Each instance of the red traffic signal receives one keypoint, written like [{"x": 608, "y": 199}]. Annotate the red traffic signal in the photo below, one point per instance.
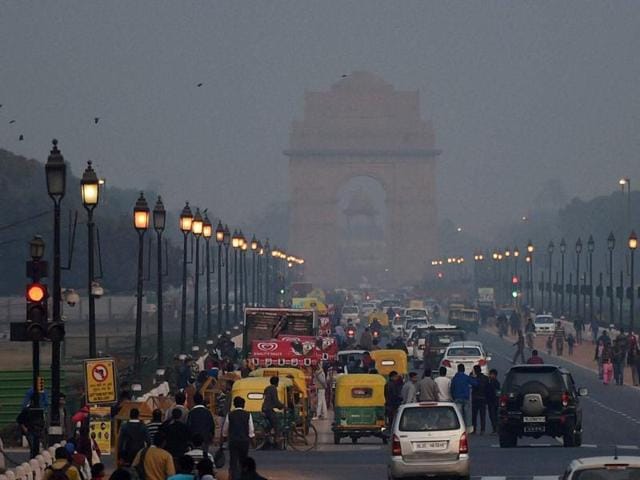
[
  {"x": 515, "y": 280},
  {"x": 36, "y": 292}
]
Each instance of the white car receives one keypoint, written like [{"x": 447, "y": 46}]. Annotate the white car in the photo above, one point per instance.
[
  {"x": 416, "y": 312},
  {"x": 351, "y": 312},
  {"x": 429, "y": 439},
  {"x": 367, "y": 308},
  {"x": 398, "y": 325},
  {"x": 603, "y": 468},
  {"x": 469, "y": 353},
  {"x": 544, "y": 324}
]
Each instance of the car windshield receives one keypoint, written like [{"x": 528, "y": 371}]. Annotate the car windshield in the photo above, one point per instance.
[
  {"x": 550, "y": 378},
  {"x": 464, "y": 352},
  {"x": 412, "y": 323},
  {"x": 428, "y": 419},
  {"x": 349, "y": 309},
  {"x": 416, "y": 312},
  {"x": 612, "y": 472},
  {"x": 544, "y": 320}
]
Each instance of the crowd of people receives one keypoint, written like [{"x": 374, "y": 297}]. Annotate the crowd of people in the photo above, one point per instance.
[{"x": 476, "y": 394}]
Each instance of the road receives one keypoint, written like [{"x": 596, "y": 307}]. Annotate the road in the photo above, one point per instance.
[{"x": 611, "y": 419}]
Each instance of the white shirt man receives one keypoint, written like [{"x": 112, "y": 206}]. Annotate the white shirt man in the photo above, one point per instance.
[{"x": 444, "y": 386}]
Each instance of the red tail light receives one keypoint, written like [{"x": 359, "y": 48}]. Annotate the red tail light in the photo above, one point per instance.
[
  {"x": 482, "y": 362},
  {"x": 565, "y": 399},
  {"x": 376, "y": 334},
  {"x": 503, "y": 401},
  {"x": 464, "y": 444},
  {"x": 446, "y": 363},
  {"x": 396, "y": 449}
]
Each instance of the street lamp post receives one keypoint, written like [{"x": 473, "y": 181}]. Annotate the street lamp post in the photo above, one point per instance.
[
  {"x": 254, "y": 249},
  {"x": 633, "y": 244},
  {"x": 578, "y": 251},
  {"x": 141, "y": 224},
  {"x": 159, "y": 223},
  {"x": 590, "y": 249},
  {"x": 196, "y": 228},
  {"x": 243, "y": 258},
  {"x": 219, "y": 241},
  {"x": 267, "y": 254},
  {"x": 227, "y": 242},
  {"x": 563, "y": 250},
  {"x": 207, "y": 233},
  {"x": 530, "y": 250},
  {"x": 56, "y": 173},
  {"x": 611, "y": 244},
  {"x": 90, "y": 190},
  {"x": 235, "y": 243},
  {"x": 259, "y": 277},
  {"x": 550, "y": 249},
  {"x": 186, "y": 219}
]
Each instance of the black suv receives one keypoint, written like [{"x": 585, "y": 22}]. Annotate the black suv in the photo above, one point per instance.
[{"x": 539, "y": 400}]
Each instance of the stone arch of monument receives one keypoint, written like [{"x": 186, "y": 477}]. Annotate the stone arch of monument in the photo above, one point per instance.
[{"x": 363, "y": 127}]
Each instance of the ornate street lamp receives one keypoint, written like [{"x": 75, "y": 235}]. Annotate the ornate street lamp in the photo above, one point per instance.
[
  {"x": 563, "y": 250},
  {"x": 633, "y": 244},
  {"x": 254, "y": 251},
  {"x": 578, "y": 251},
  {"x": 56, "y": 174},
  {"x": 207, "y": 233},
  {"x": 550, "y": 249},
  {"x": 141, "y": 224},
  {"x": 219, "y": 240},
  {"x": 235, "y": 243},
  {"x": 90, "y": 192},
  {"x": 186, "y": 219},
  {"x": 260, "y": 253},
  {"x": 267, "y": 272},
  {"x": 227, "y": 242},
  {"x": 159, "y": 224},
  {"x": 197, "y": 226},
  {"x": 611, "y": 244},
  {"x": 590, "y": 249}
]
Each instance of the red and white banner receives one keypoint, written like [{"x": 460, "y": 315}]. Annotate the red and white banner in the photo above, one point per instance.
[{"x": 294, "y": 351}]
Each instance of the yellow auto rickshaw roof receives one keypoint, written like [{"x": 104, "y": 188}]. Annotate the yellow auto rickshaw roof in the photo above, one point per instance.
[
  {"x": 397, "y": 361},
  {"x": 252, "y": 390},
  {"x": 297, "y": 376},
  {"x": 360, "y": 379}
]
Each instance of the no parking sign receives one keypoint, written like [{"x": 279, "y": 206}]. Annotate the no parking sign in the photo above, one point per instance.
[{"x": 100, "y": 381}]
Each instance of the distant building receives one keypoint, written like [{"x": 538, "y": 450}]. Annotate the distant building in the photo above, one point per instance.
[{"x": 363, "y": 131}]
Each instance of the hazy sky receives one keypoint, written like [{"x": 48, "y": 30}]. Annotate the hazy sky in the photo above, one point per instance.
[{"x": 518, "y": 91}]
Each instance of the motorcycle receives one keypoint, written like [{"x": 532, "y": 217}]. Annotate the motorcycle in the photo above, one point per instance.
[{"x": 351, "y": 336}]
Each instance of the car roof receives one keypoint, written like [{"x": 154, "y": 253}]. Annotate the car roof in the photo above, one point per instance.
[
  {"x": 540, "y": 367},
  {"x": 429, "y": 404},
  {"x": 351, "y": 352},
  {"x": 589, "y": 462},
  {"x": 466, "y": 343}
]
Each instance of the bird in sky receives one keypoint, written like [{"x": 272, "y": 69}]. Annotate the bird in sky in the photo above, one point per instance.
[
  {"x": 200, "y": 84},
  {"x": 21, "y": 138},
  {"x": 12, "y": 121},
  {"x": 344, "y": 75},
  {"x": 96, "y": 120}
]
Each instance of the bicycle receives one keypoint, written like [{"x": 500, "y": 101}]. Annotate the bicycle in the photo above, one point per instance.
[{"x": 301, "y": 438}]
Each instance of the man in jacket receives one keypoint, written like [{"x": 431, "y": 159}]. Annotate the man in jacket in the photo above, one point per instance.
[
  {"x": 200, "y": 420},
  {"x": 238, "y": 429},
  {"x": 270, "y": 402},
  {"x": 409, "y": 390},
  {"x": 479, "y": 399},
  {"x": 133, "y": 437},
  {"x": 177, "y": 434},
  {"x": 492, "y": 394},
  {"x": 155, "y": 461},
  {"x": 62, "y": 463},
  {"x": 519, "y": 348},
  {"x": 461, "y": 384},
  {"x": 392, "y": 396},
  {"x": 427, "y": 388}
]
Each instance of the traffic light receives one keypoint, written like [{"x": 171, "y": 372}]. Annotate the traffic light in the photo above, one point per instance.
[
  {"x": 37, "y": 311},
  {"x": 515, "y": 284}
]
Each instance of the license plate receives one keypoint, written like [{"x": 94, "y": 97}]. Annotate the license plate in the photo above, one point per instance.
[
  {"x": 534, "y": 419},
  {"x": 428, "y": 446},
  {"x": 534, "y": 428}
]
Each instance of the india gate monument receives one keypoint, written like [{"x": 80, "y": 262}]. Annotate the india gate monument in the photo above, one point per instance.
[{"x": 362, "y": 165}]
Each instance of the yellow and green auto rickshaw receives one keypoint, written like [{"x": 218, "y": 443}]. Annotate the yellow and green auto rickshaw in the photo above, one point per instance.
[
  {"x": 359, "y": 407},
  {"x": 387, "y": 361},
  {"x": 298, "y": 378}
]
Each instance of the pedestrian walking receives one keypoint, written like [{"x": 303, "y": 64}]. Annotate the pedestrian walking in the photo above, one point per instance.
[
  {"x": 196, "y": 452},
  {"x": 598, "y": 357},
  {"x": 571, "y": 341},
  {"x": 479, "y": 399},
  {"x": 618, "y": 356},
  {"x": 156, "y": 422},
  {"x": 154, "y": 462},
  {"x": 427, "y": 388},
  {"x": 595, "y": 328},
  {"x": 492, "y": 395},
  {"x": 444, "y": 386},
  {"x": 320, "y": 380},
  {"x": 519, "y": 348},
  {"x": 607, "y": 364},
  {"x": 632, "y": 360},
  {"x": 409, "y": 390},
  {"x": 549, "y": 344},
  {"x": 559, "y": 337},
  {"x": 392, "y": 396},
  {"x": 177, "y": 435},
  {"x": 180, "y": 399},
  {"x": 238, "y": 430},
  {"x": 133, "y": 437},
  {"x": 578, "y": 325},
  {"x": 200, "y": 420},
  {"x": 461, "y": 384}
]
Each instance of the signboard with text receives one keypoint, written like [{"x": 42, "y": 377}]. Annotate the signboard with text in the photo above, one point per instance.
[
  {"x": 100, "y": 428},
  {"x": 100, "y": 381},
  {"x": 269, "y": 323}
]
